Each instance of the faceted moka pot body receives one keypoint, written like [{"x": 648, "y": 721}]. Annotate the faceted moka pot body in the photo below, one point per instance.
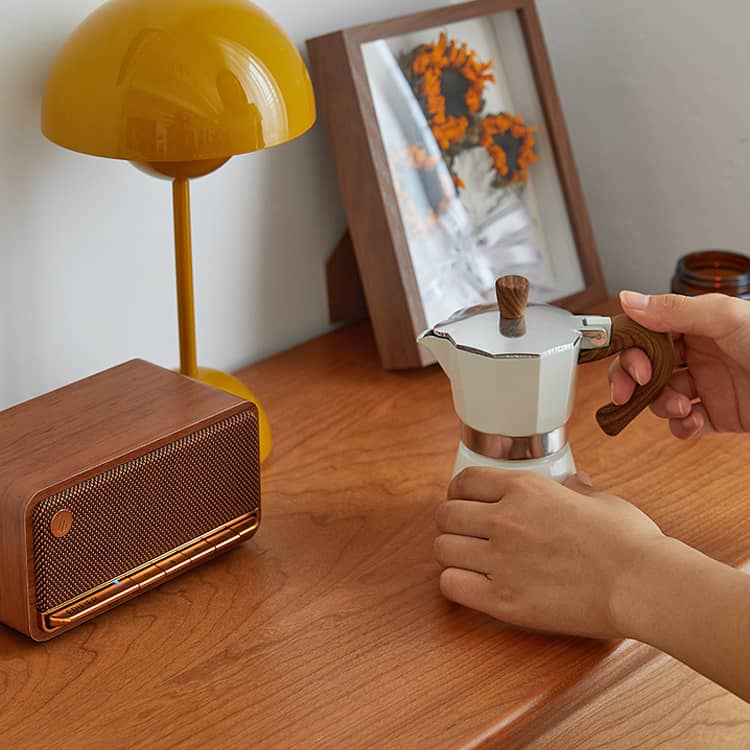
[{"x": 524, "y": 425}]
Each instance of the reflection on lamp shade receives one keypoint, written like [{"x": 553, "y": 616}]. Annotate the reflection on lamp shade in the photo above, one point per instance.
[{"x": 177, "y": 80}]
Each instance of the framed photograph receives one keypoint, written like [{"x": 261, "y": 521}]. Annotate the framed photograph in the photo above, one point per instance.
[{"x": 454, "y": 165}]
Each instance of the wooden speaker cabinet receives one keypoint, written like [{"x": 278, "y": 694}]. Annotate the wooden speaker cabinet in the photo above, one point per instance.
[{"x": 114, "y": 484}]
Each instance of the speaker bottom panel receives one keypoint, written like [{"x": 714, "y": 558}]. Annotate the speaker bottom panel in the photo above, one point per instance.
[{"x": 154, "y": 573}]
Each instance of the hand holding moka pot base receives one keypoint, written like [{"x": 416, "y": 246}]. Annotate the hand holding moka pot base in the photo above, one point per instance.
[{"x": 512, "y": 368}]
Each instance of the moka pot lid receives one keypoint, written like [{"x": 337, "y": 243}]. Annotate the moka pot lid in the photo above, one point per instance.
[{"x": 511, "y": 328}]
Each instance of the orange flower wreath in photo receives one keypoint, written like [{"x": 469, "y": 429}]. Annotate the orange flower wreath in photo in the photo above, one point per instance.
[
  {"x": 450, "y": 80},
  {"x": 449, "y": 84},
  {"x": 510, "y": 145},
  {"x": 417, "y": 159}
]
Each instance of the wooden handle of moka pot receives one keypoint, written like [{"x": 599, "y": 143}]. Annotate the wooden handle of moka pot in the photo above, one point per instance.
[
  {"x": 626, "y": 333},
  {"x": 512, "y": 297}
]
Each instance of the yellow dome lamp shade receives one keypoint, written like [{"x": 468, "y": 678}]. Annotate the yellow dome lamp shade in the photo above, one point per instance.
[{"x": 178, "y": 87}]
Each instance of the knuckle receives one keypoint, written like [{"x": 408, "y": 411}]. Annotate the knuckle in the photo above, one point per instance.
[
  {"x": 732, "y": 309},
  {"x": 516, "y": 482},
  {"x": 504, "y": 595},
  {"x": 740, "y": 309},
  {"x": 672, "y": 302},
  {"x": 719, "y": 314},
  {"x": 657, "y": 409},
  {"x": 528, "y": 481},
  {"x": 718, "y": 300},
  {"x": 631, "y": 357},
  {"x": 718, "y": 304},
  {"x": 495, "y": 524},
  {"x": 573, "y": 482},
  {"x": 463, "y": 480}
]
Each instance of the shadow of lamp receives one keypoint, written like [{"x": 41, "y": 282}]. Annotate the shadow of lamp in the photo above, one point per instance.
[{"x": 178, "y": 87}]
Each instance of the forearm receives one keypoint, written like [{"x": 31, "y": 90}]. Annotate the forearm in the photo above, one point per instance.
[{"x": 692, "y": 607}]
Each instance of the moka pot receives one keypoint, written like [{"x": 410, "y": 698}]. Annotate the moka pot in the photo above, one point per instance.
[{"x": 512, "y": 369}]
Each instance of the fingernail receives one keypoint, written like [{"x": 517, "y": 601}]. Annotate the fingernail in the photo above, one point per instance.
[
  {"x": 634, "y": 300},
  {"x": 584, "y": 478},
  {"x": 612, "y": 392},
  {"x": 637, "y": 376},
  {"x": 697, "y": 422},
  {"x": 680, "y": 407}
]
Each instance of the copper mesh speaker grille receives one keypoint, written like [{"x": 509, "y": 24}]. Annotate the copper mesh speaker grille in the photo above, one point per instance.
[{"x": 141, "y": 509}]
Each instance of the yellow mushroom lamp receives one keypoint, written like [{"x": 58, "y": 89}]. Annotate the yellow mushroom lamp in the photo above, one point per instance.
[{"x": 177, "y": 87}]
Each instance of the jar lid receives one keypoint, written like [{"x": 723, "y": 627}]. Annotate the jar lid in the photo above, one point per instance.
[{"x": 714, "y": 270}]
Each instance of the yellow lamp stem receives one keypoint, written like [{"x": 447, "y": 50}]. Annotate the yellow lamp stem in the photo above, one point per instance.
[
  {"x": 184, "y": 266},
  {"x": 186, "y": 312}
]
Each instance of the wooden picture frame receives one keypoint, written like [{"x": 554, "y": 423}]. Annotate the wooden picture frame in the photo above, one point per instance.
[{"x": 376, "y": 227}]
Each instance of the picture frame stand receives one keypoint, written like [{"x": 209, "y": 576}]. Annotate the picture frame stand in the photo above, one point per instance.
[{"x": 346, "y": 295}]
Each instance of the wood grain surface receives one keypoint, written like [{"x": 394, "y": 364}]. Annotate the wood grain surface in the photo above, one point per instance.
[
  {"x": 328, "y": 629},
  {"x": 664, "y": 706}
]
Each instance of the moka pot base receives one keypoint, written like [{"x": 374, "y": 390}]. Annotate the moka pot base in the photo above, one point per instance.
[{"x": 547, "y": 454}]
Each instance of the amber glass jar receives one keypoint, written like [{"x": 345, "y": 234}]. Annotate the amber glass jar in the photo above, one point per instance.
[{"x": 713, "y": 271}]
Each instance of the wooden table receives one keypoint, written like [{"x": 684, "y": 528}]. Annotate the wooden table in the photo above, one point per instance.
[{"x": 328, "y": 630}]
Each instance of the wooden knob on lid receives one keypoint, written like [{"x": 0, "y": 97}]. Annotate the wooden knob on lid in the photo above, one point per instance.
[{"x": 512, "y": 296}]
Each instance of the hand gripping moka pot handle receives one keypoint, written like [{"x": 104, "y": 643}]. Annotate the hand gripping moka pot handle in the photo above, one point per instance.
[{"x": 626, "y": 334}]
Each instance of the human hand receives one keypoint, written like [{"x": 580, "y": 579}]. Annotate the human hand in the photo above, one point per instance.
[
  {"x": 540, "y": 555},
  {"x": 711, "y": 393}
]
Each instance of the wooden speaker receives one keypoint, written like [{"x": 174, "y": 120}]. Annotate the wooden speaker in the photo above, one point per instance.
[{"x": 115, "y": 484}]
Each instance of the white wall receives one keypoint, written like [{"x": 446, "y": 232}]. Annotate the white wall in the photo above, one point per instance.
[
  {"x": 654, "y": 92},
  {"x": 657, "y": 102}
]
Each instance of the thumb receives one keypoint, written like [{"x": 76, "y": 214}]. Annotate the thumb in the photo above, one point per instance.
[
  {"x": 580, "y": 482},
  {"x": 711, "y": 315}
]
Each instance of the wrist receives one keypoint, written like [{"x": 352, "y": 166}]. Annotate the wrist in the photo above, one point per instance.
[
  {"x": 694, "y": 608},
  {"x": 641, "y": 596}
]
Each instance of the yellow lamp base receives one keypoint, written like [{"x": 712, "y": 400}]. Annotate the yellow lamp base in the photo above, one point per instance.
[{"x": 229, "y": 383}]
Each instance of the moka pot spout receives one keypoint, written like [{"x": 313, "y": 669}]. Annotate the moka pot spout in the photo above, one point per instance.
[{"x": 442, "y": 348}]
